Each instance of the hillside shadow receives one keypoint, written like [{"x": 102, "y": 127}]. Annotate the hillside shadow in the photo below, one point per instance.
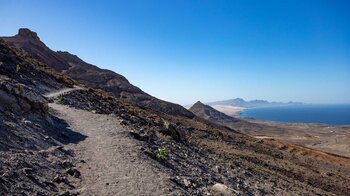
[{"x": 61, "y": 131}]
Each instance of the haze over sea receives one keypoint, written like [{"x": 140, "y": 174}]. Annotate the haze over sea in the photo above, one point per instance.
[{"x": 338, "y": 114}]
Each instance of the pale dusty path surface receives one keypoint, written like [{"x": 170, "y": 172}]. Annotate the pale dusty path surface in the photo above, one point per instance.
[
  {"x": 114, "y": 164},
  {"x": 62, "y": 91}
]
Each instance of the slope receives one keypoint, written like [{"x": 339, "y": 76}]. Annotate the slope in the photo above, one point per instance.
[
  {"x": 201, "y": 153},
  {"x": 91, "y": 75}
]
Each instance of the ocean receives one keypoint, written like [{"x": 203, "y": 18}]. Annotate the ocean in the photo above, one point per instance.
[{"x": 313, "y": 113}]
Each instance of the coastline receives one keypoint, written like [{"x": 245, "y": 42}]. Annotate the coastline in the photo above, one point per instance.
[
  {"x": 229, "y": 110},
  {"x": 328, "y": 138},
  {"x": 334, "y": 115}
]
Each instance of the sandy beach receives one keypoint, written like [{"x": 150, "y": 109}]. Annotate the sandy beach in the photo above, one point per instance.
[
  {"x": 328, "y": 138},
  {"x": 229, "y": 110}
]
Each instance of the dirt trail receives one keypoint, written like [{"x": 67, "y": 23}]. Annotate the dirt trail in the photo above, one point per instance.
[
  {"x": 114, "y": 163},
  {"x": 62, "y": 91}
]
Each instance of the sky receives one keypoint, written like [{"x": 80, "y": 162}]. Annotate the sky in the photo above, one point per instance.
[{"x": 184, "y": 51}]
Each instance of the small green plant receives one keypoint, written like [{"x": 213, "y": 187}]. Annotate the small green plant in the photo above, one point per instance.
[
  {"x": 58, "y": 99},
  {"x": 162, "y": 153},
  {"x": 18, "y": 67}
]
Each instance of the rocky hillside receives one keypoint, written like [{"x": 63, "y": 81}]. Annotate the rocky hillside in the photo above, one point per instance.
[
  {"x": 202, "y": 154},
  {"x": 90, "y": 75},
  {"x": 42, "y": 145},
  {"x": 32, "y": 160}
]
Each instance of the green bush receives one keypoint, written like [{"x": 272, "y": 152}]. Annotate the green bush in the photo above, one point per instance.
[
  {"x": 18, "y": 67},
  {"x": 58, "y": 99},
  {"x": 162, "y": 153}
]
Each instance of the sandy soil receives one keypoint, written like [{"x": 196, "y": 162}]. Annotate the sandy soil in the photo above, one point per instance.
[
  {"x": 114, "y": 164},
  {"x": 229, "y": 110},
  {"x": 332, "y": 139},
  {"x": 327, "y": 138}
]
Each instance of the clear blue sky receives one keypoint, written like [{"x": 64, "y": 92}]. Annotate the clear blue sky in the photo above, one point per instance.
[{"x": 183, "y": 51}]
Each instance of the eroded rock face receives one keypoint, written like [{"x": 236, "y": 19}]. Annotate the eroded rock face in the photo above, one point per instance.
[
  {"x": 17, "y": 65},
  {"x": 17, "y": 98},
  {"x": 24, "y": 32}
]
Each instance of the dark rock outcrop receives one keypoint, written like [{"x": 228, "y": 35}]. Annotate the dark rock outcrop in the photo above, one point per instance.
[
  {"x": 17, "y": 65},
  {"x": 19, "y": 99},
  {"x": 30, "y": 42},
  {"x": 26, "y": 33}
]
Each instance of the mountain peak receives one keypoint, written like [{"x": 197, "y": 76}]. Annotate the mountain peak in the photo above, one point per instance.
[
  {"x": 25, "y": 32},
  {"x": 207, "y": 112},
  {"x": 198, "y": 103},
  {"x": 198, "y": 106}
]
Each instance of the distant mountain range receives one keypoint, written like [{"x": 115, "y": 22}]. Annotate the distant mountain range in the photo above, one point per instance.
[{"x": 239, "y": 102}]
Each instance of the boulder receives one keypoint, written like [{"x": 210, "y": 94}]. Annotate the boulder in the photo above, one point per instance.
[{"x": 219, "y": 189}]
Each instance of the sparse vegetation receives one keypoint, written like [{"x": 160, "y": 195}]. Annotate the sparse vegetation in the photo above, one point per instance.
[
  {"x": 58, "y": 99},
  {"x": 18, "y": 67},
  {"x": 162, "y": 153}
]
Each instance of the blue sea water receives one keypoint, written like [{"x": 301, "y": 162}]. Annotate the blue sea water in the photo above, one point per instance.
[{"x": 327, "y": 114}]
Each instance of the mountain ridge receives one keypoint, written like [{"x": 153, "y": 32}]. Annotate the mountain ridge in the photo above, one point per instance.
[
  {"x": 90, "y": 75},
  {"x": 239, "y": 102}
]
